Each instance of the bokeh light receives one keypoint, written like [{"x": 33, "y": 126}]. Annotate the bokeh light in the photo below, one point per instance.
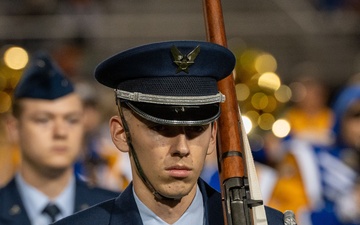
[
  {"x": 247, "y": 124},
  {"x": 242, "y": 92},
  {"x": 281, "y": 128},
  {"x": 5, "y": 102},
  {"x": 16, "y": 58},
  {"x": 272, "y": 104},
  {"x": 265, "y": 63},
  {"x": 253, "y": 116},
  {"x": 266, "y": 121},
  {"x": 283, "y": 94},
  {"x": 247, "y": 59},
  {"x": 3, "y": 82},
  {"x": 269, "y": 80},
  {"x": 259, "y": 100},
  {"x": 259, "y": 89}
]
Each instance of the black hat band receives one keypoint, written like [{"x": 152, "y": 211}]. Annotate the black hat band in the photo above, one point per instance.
[{"x": 176, "y": 115}]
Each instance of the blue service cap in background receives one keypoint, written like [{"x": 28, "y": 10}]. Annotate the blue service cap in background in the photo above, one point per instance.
[
  {"x": 43, "y": 79},
  {"x": 173, "y": 82}
]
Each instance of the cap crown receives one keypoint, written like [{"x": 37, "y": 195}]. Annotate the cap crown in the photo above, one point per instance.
[
  {"x": 162, "y": 60},
  {"x": 43, "y": 80},
  {"x": 172, "y": 82}
]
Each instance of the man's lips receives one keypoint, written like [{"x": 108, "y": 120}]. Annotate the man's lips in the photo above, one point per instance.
[
  {"x": 59, "y": 148},
  {"x": 179, "y": 171}
]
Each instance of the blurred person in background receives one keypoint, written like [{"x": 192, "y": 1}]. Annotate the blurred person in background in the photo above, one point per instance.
[
  {"x": 339, "y": 165},
  {"x": 100, "y": 163},
  {"x": 310, "y": 117},
  {"x": 9, "y": 151},
  {"x": 48, "y": 122},
  {"x": 323, "y": 180}
]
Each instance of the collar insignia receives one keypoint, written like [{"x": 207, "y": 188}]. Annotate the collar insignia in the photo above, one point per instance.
[{"x": 184, "y": 61}]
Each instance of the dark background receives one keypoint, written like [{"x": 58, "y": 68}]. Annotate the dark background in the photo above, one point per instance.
[{"x": 321, "y": 33}]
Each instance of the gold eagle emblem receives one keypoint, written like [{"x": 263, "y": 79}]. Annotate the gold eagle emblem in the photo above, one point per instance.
[{"x": 184, "y": 61}]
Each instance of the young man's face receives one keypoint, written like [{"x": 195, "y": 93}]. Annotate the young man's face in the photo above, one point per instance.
[
  {"x": 171, "y": 157},
  {"x": 351, "y": 126},
  {"x": 50, "y": 132}
]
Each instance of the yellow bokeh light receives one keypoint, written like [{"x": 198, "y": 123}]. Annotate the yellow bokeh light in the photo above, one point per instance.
[
  {"x": 15, "y": 78},
  {"x": 283, "y": 94},
  {"x": 259, "y": 100},
  {"x": 281, "y": 128},
  {"x": 5, "y": 102},
  {"x": 272, "y": 104},
  {"x": 242, "y": 92},
  {"x": 270, "y": 81},
  {"x": 247, "y": 124},
  {"x": 253, "y": 116},
  {"x": 265, "y": 63},
  {"x": 16, "y": 58},
  {"x": 247, "y": 59},
  {"x": 3, "y": 82},
  {"x": 266, "y": 121}
]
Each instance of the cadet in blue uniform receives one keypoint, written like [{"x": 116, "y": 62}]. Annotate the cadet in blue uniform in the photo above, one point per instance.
[
  {"x": 48, "y": 121},
  {"x": 168, "y": 103}
]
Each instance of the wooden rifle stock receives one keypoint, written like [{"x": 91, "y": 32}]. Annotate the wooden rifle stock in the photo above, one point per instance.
[
  {"x": 230, "y": 152},
  {"x": 229, "y": 132}
]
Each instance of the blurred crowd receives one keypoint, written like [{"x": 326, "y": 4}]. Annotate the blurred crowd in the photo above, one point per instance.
[
  {"x": 313, "y": 171},
  {"x": 318, "y": 165}
]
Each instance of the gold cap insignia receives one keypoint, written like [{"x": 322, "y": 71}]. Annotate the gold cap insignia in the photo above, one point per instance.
[{"x": 184, "y": 61}]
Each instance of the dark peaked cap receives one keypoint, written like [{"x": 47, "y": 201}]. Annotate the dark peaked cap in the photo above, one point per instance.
[
  {"x": 172, "y": 82},
  {"x": 43, "y": 79}
]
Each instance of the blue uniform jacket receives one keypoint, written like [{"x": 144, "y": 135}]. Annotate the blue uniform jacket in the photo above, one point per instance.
[
  {"x": 12, "y": 211},
  {"x": 123, "y": 210}
]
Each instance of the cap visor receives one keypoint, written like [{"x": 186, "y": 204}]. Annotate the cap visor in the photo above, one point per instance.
[{"x": 176, "y": 115}]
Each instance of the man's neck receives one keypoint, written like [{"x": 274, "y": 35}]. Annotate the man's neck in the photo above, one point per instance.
[
  {"x": 51, "y": 184},
  {"x": 168, "y": 210}
]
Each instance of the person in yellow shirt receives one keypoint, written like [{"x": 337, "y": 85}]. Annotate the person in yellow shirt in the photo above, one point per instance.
[{"x": 310, "y": 118}]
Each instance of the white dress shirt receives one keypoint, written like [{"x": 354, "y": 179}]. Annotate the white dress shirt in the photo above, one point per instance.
[
  {"x": 35, "y": 201},
  {"x": 193, "y": 215}
]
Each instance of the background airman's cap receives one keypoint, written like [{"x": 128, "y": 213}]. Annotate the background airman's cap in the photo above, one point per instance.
[
  {"x": 43, "y": 79},
  {"x": 172, "y": 82}
]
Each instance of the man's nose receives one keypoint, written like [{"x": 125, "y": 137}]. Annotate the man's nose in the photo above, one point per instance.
[
  {"x": 60, "y": 128},
  {"x": 181, "y": 146}
]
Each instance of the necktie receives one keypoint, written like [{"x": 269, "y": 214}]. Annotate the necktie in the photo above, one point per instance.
[{"x": 52, "y": 211}]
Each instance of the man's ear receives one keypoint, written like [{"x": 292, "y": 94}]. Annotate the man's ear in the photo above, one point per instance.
[
  {"x": 118, "y": 134},
  {"x": 212, "y": 143}
]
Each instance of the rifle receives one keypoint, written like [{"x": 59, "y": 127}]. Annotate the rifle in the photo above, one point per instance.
[{"x": 235, "y": 189}]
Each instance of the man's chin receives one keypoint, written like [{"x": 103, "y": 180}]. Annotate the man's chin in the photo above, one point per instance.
[
  {"x": 56, "y": 170},
  {"x": 175, "y": 196}
]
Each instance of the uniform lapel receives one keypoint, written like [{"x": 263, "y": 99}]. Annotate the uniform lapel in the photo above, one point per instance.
[
  {"x": 82, "y": 196},
  {"x": 212, "y": 204},
  {"x": 12, "y": 209},
  {"x": 125, "y": 210}
]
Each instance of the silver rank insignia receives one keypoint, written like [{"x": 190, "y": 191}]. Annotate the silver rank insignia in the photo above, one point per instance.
[{"x": 184, "y": 61}]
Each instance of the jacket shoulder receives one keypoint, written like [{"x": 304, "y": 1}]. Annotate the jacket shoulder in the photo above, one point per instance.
[
  {"x": 92, "y": 195},
  {"x": 274, "y": 217},
  {"x": 96, "y": 215}
]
